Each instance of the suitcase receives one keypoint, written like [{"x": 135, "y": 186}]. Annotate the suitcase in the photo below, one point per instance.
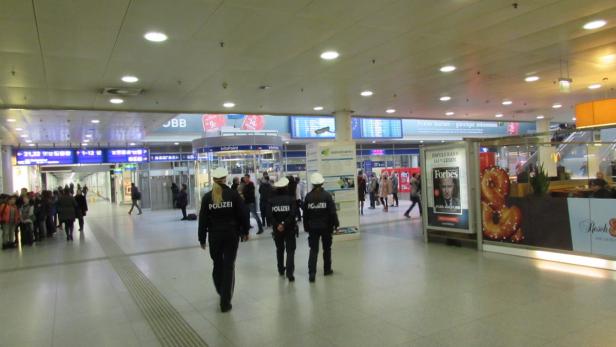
[{"x": 27, "y": 236}]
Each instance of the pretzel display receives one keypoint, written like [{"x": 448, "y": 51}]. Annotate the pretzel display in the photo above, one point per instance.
[
  {"x": 494, "y": 186},
  {"x": 500, "y": 222}
]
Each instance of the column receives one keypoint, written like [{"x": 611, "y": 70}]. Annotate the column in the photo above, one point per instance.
[
  {"x": 7, "y": 170},
  {"x": 546, "y": 151},
  {"x": 343, "y": 125}
]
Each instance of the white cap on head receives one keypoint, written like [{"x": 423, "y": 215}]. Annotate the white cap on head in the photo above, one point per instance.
[
  {"x": 281, "y": 183},
  {"x": 316, "y": 178},
  {"x": 220, "y": 172}
]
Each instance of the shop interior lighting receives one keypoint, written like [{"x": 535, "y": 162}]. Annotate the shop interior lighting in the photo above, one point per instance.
[
  {"x": 448, "y": 68},
  {"x": 445, "y": 98},
  {"x": 116, "y": 101},
  {"x": 366, "y": 93},
  {"x": 595, "y": 24},
  {"x": 154, "y": 36},
  {"x": 228, "y": 104},
  {"x": 574, "y": 119},
  {"x": 130, "y": 79},
  {"x": 594, "y": 86},
  {"x": 532, "y": 79},
  {"x": 329, "y": 55},
  {"x": 390, "y": 110},
  {"x": 507, "y": 102}
]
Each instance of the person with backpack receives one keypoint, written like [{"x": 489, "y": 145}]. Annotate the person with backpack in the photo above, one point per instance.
[
  {"x": 282, "y": 212},
  {"x": 82, "y": 207},
  {"x": 182, "y": 200},
  {"x": 415, "y": 195},
  {"x": 67, "y": 212},
  {"x": 9, "y": 219},
  {"x": 27, "y": 220},
  {"x": 135, "y": 196}
]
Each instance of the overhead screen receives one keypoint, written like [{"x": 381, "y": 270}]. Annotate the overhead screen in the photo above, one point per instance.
[
  {"x": 80, "y": 156},
  {"x": 307, "y": 127}
]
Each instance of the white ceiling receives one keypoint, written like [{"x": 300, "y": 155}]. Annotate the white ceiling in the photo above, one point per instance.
[{"x": 60, "y": 54}]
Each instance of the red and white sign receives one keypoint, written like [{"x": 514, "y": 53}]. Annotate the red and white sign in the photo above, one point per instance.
[{"x": 213, "y": 122}]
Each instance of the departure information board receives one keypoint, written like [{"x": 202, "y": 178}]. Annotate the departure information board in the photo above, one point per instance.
[
  {"x": 377, "y": 128},
  {"x": 90, "y": 156},
  {"x": 307, "y": 127},
  {"x": 127, "y": 155},
  {"x": 45, "y": 157}
]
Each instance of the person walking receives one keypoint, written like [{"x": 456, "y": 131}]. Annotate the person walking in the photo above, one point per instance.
[
  {"x": 223, "y": 222},
  {"x": 265, "y": 193},
  {"x": 320, "y": 221},
  {"x": 182, "y": 200},
  {"x": 373, "y": 191},
  {"x": 384, "y": 191},
  {"x": 40, "y": 217},
  {"x": 67, "y": 212},
  {"x": 248, "y": 192},
  {"x": 394, "y": 188},
  {"x": 282, "y": 211},
  {"x": 82, "y": 207},
  {"x": 9, "y": 219},
  {"x": 27, "y": 221},
  {"x": 135, "y": 196},
  {"x": 415, "y": 195},
  {"x": 361, "y": 191},
  {"x": 175, "y": 191},
  {"x": 299, "y": 197}
]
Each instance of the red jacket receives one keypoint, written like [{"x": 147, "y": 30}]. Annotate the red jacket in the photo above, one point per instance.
[{"x": 5, "y": 214}]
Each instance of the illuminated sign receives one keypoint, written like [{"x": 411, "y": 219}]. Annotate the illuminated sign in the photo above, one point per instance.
[
  {"x": 373, "y": 128},
  {"x": 313, "y": 127},
  {"x": 45, "y": 157},
  {"x": 89, "y": 156},
  {"x": 128, "y": 155}
]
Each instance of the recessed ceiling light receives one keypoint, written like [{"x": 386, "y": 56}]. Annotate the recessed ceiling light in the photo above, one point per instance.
[
  {"x": 19, "y": 129},
  {"x": 532, "y": 78},
  {"x": 445, "y": 98},
  {"x": 607, "y": 59},
  {"x": 318, "y": 108},
  {"x": 390, "y": 110},
  {"x": 132, "y": 144},
  {"x": 366, "y": 93},
  {"x": 154, "y": 36},
  {"x": 594, "y": 86},
  {"x": 89, "y": 135},
  {"x": 84, "y": 144},
  {"x": 595, "y": 24},
  {"x": 228, "y": 104},
  {"x": 573, "y": 119},
  {"x": 498, "y": 115},
  {"x": 507, "y": 102},
  {"x": 557, "y": 106},
  {"x": 95, "y": 121},
  {"x": 32, "y": 145},
  {"x": 540, "y": 116},
  {"x": 28, "y": 141},
  {"x": 329, "y": 55},
  {"x": 24, "y": 135},
  {"x": 421, "y": 141},
  {"x": 11, "y": 120},
  {"x": 449, "y": 113},
  {"x": 86, "y": 140},
  {"x": 176, "y": 143},
  {"x": 448, "y": 68},
  {"x": 116, "y": 101},
  {"x": 129, "y": 79}
]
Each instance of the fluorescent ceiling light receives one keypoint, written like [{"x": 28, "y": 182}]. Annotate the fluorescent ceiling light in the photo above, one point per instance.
[
  {"x": 557, "y": 106},
  {"x": 366, "y": 93},
  {"x": 445, "y": 98},
  {"x": 421, "y": 141},
  {"x": 448, "y": 68},
  {"x": 89, "y": 135},
  {"x": 595, "y": 24},
  {"x": 449, "y": 113},
  {"x": 24, "y": 135},
  {"x": 84, "y": 144},
  {"x": 154, "y": 36},
  {"x": 132, "y": 144},
  {"x": 19, "y": 129},
  {"x": 532, "y": 78},
  {"x": 11, "y": 120},
  {"x": 86, "y": 140},
  {"x": 498, "y": 115},
  {"x": 176, "y": 143},
  {"x": 95, "y": 121},
  {"x": 607, "y": 59},
  {"x": 129, "y": 79},
  {"x": 507, "y": 102},
  {"x": 390, "y": 110},
  {"x": 116, "y": 101},
  {"x": 32, "y": 145},
  {"x": 318, "y": 108},
  {"x": 28, "y": 141},
  {"x": 329, "y": 55},
  {"x": 228, "y": 104},
  {"x": 540, "y": 116},
  {"x": 594, "y": 86}
]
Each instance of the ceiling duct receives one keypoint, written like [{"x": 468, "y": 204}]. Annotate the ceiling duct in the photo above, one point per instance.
[{"x": 122, "y": 91}]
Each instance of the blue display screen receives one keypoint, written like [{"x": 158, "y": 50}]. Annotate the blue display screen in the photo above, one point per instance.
[
  {"x": 165, "y": 157},
  {"x": 306, "y": 127},
  {"x": 45, "y": 157},
  {"x": 127, "y": 155},
  {"x": 89, "y": 156},
  {"x": 376, "y": 128}
]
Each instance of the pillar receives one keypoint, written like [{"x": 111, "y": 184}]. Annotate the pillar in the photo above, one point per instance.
[
  {"x": 343, "y": 125},
  {"x": 7, "y": 169},
  {"x": 546, "y": 151}
]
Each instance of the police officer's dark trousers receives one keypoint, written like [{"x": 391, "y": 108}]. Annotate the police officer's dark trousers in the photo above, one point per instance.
[
  {"x": 313, "y": 242},
  {"x": 223, "y": 250},
  {"x": 286, "y": 241}
]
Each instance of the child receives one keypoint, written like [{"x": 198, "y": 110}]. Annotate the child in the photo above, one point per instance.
[{"x": 9, "y": 219}]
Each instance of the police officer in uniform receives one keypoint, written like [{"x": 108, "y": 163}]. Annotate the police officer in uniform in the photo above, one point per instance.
[
  {"x": 282, "y": 211},
  {"x": 320, "y": 221},
  {"x": 225, "y": 218}
]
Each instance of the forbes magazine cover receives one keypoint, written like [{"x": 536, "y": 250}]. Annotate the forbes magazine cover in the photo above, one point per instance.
[{"x": 446, "y": 182}]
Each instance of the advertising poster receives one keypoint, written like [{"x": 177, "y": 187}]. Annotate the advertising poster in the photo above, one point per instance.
[
  {"x": 593, "y": 225},
  {"x": 336, "y": 162},
  {"x": 447, "y": 188}
]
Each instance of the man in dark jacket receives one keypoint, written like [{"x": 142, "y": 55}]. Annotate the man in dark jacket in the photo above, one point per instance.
[
  {"x": 248, "y": 192},
  {"x": 320, "y": 220},
  {"x": 282, "y": 212},
  {"x": 67, "y": 212},
  {"x": 82, "y": 207},
  {"x": 223, "y": 222},
  {"x": 175, "y": 191},
  {"x": 265, "y": 192},
  {"x": 182, "y": 200},
  {"x": 135, "y": 196}
]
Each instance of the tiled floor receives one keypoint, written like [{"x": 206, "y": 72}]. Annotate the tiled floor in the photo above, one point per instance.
[{"x": 389, "y": 289}]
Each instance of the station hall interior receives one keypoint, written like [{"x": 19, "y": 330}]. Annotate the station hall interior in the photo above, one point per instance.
[{"x": 469, "y": 147}]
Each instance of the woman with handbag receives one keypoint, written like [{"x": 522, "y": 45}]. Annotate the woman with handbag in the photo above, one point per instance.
[
  {"x": 385, "y": 188},
  {"x": 82, "y": 207}
]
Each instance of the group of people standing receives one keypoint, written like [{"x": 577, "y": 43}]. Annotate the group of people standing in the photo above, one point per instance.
[
  {"x": 379, "y": 190},
  {"x": 31, "y": 217},
  {"x": 224, "y": 221}
]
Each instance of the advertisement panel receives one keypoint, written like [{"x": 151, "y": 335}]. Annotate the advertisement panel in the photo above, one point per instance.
[
  {"x": 418, "y": 127},
  {"x": 447, "y": 187}
]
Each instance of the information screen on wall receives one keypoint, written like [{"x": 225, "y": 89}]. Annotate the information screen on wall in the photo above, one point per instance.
[
  {"x": 126, "y": 155},
  {"x": 306, "y": 127},
  {"x": 447, "y": 193},
  {"x": 89, "y": 156},
  {"x": 373, "y": 128},
  {"x": 45, "y": 157}
]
